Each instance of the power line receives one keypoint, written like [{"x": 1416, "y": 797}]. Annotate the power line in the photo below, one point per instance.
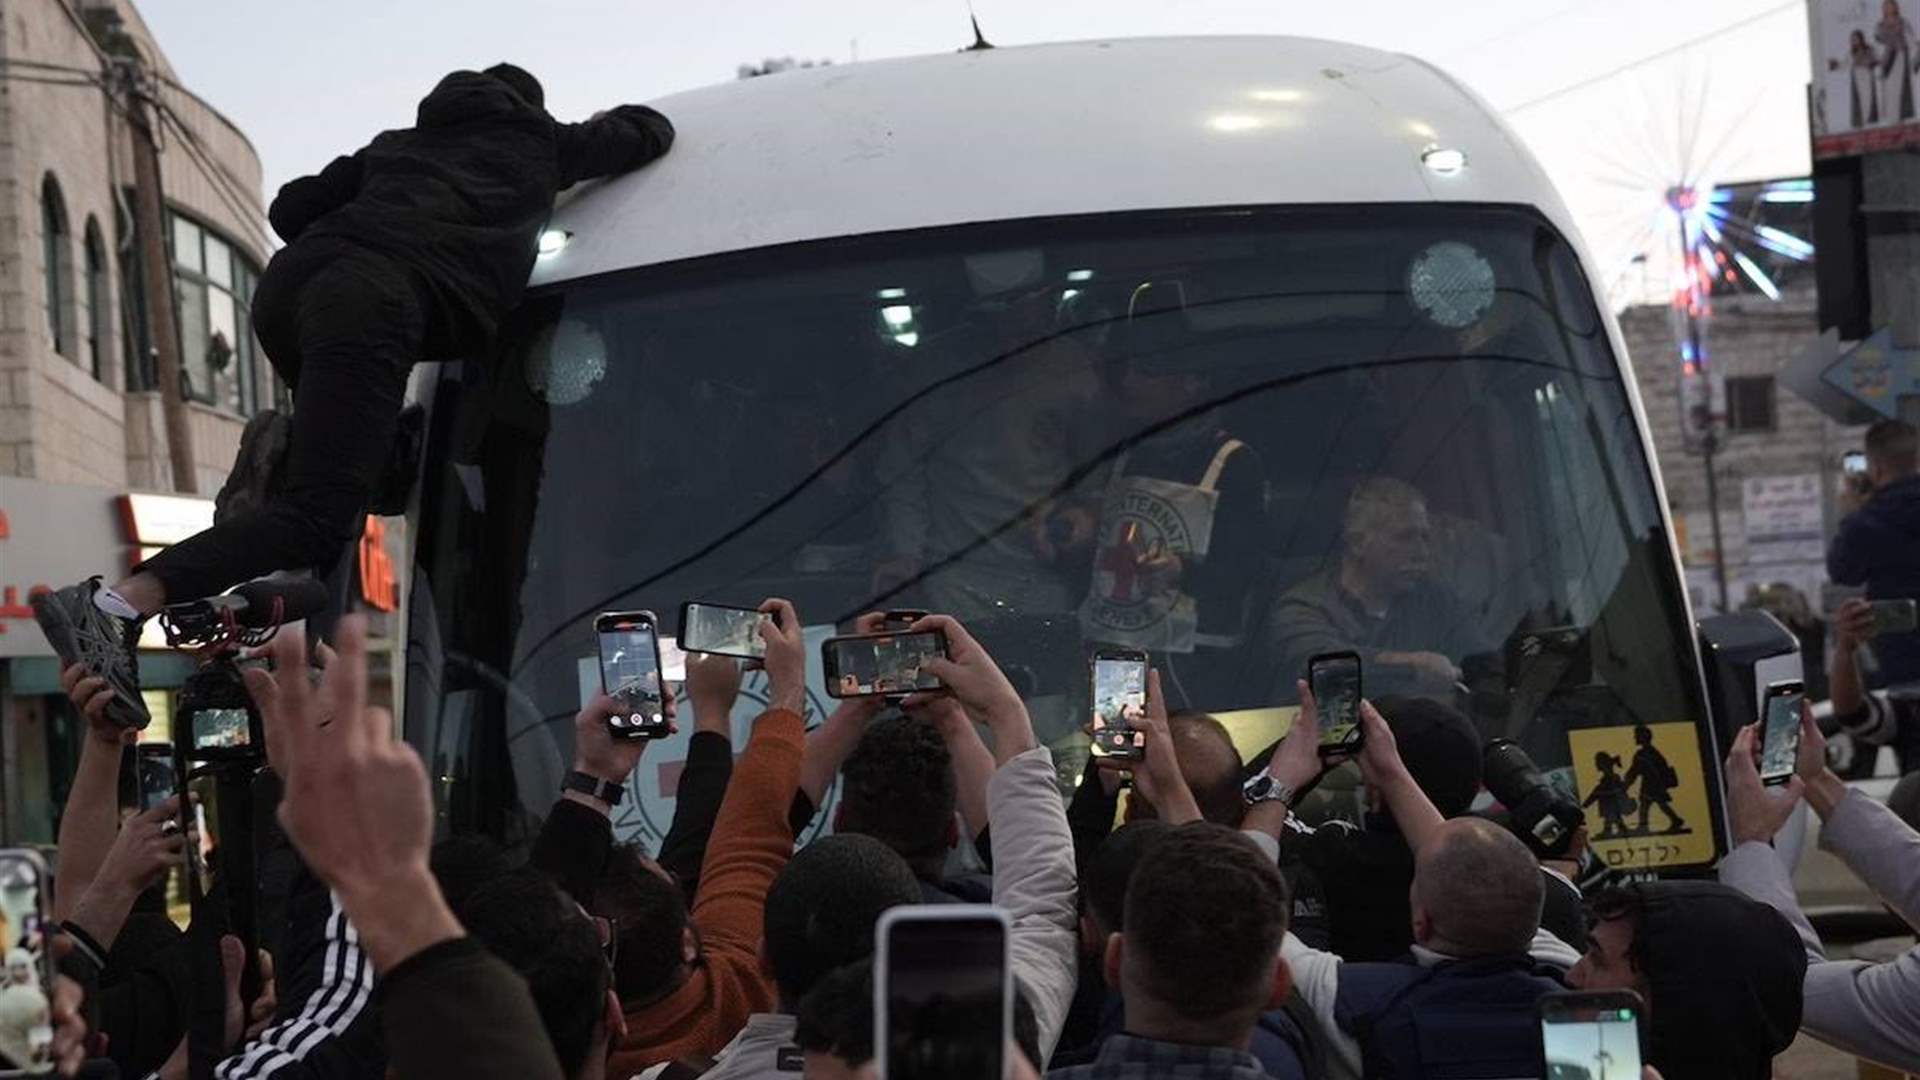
[
  {"x": 249, "y": 216},
  {"x": 1740, "y": 24}
]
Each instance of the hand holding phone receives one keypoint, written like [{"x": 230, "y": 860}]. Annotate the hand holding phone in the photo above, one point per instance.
[
  {"x": 1334, "y": 679},
  {"x": 630, "y": 673},
  {"x": 1895, "y": 616},
  {"x": 1780, "y": 732},
  {"x": 722, "y": 631},
  {"x": 1119, "y": 704}
]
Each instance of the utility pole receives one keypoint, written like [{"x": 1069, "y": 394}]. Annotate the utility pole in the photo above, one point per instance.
[
  {"x": 150, "y": 232},
  {"x": 1698, "y": 400}
]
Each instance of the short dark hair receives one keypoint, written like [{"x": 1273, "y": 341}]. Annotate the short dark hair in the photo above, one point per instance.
[
  {"x": 524, "y": 919},
  {"x": 1103, "y": 885},
  {"x": 521, "y": 82},
  {"x": 1440, "y": 747},
  {"x": 823, "y": 907},
  {"x": 462, "y": 864},
  {"x": 651, "y": 914},
  {"x": 1481, "y": 887},
  {"x": 1205, "y": 915},
  {"x": 898, "y": 787},
  {"x": 1895, "y": 444},
  {"x": 836, "y": 1017},
  {"x": 1211, "y": 764}
]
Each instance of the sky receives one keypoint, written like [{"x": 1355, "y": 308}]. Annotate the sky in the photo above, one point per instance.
[{"x": 1618, "y": 98}]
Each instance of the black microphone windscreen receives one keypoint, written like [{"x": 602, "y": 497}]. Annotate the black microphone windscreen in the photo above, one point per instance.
[{"x": 274, "y": 603}]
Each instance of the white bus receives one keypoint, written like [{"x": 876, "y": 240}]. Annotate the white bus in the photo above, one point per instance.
[{"x": 1237, "y": 350}]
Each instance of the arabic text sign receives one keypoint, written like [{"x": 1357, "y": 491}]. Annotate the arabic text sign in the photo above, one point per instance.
[{"x": 1784, "y": 519}]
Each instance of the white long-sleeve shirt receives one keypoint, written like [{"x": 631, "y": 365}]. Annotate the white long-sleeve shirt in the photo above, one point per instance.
[
  {"x": 1867, "y": 1009},
  {"x": 1034, "y": 880}
]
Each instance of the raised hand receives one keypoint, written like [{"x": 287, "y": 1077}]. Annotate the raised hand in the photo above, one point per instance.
[{"x": 786, "y": 659}]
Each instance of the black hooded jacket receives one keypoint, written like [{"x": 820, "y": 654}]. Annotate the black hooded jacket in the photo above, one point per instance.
[
  {"x": 1878, "y": 546},
  {"x": 460, "y": 197},
  {"x": 1724, "y": 976}
]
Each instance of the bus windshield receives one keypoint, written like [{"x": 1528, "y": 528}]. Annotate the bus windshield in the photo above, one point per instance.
[{"x": 1235, "y": 440}]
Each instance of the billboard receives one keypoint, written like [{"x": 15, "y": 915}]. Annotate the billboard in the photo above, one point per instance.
[{"x": 1864, "y": 58}]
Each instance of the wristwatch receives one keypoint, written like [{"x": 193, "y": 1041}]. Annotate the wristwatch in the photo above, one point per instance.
[
  {"x": 1264, "y": 788},
  {"x": 604, "y": 790}
]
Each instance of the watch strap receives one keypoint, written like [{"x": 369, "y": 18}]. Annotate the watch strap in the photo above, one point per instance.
[{"x": 604, "y": 790}]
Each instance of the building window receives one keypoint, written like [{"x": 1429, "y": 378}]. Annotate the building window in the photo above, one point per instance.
[
  {"x": 57, "y": 260},
  {"x": 96, "y": 321},
  {"x": 213, "y": 287},
  {"x": 1750, "y": 403}
]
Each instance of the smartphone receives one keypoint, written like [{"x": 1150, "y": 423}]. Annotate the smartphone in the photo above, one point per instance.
[
  {"x": 26, "y": 1039},
  {"x": 155, "y": 774},
  {"x": 1854, "y": 463},
  {"x": 1895, "y": 616},
  {"x": 942, "y": 992},
  {"x": 1780, "y": 731},
  {"x": 1590, "y": 1034},
  {"x": 880, "y": 665},
  {"x": 1119, "y": 702},
  {"x": 722, "y": 631},
  {"x": 1334, "y": 679},
  {"x": 630, "y": 673}
]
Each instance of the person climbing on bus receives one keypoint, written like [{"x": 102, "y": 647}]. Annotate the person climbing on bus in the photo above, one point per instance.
[
  {"x": 412, "y": 248},
  {"x": 1381, "y": 600}
]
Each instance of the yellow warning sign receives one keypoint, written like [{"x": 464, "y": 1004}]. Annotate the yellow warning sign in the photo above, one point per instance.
[{"x": 1645, "y": 794}]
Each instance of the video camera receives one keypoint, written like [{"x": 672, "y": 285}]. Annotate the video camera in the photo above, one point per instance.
[
  {"x": 220, "y": 748},
  {"x": 1541, "y": 815}
]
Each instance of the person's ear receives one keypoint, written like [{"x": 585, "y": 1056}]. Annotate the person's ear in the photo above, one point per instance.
[
  {"x": 1111, "y": 962},
  {"x": 689, "y": 945},
  {"x": 953, "y": 833},
  {"x": 1282, "y": 982},
  {"x": 616, "y": 1021},
  {"x": 1422, "y": 924}
]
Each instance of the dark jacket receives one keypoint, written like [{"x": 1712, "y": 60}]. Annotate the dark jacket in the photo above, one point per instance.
[
  {"x": 1460, "y": 1019},
  {"x": 455, "y": 1011},
  {"x": 460, "y": 197},
  {"x": 1878, "y": 546},
  {"x": 1724, "y": 976}
]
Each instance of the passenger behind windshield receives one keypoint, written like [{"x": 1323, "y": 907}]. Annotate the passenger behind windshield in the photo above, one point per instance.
[{"x": 1380, "y": 600}]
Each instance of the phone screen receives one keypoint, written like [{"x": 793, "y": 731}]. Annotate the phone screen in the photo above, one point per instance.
[
  {"x": 1595, "y": 1039},
  {"x": 630, "y": 674},
  {"x": 1119, "y": 702},
  {"x": 26, "y": 1036},
  {"x": 153, "y": 768},
  {"x": 873, "y": 664},
  {"x": 723, "y": 631},
  {"x": 1334, "y": 679},
  {"x": 1895, "y": 616},
  {"x": 1780, "y": 734},
  {"x": 203, "y": 812},
  {"x": 946, "y": 988},
  {"x": 1854, "y": 463},
  {"x": 221, "y": 729}
]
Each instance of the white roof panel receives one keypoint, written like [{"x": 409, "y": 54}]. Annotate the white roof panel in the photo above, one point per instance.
[{"x": 1044, "y": 130}]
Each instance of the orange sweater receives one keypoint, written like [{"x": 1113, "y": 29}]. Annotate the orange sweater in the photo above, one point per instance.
[{"x": 751, "y": 843}]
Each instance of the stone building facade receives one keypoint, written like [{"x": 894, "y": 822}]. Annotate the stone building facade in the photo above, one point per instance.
[{"x": 1778, "y": 464}]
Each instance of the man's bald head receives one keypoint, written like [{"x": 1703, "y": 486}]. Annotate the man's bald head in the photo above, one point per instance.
[
  {"x": 1211, "y": 765},
  {"x": 1476, "y": 891}
]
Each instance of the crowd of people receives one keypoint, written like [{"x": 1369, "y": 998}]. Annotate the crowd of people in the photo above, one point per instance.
[{"x": 1212, "y": 933}]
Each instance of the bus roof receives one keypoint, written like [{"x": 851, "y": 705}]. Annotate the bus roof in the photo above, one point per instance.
[{"x": 1041, "y": 131}]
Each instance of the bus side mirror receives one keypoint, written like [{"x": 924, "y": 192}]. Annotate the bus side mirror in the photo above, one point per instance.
[{"x": 1744, "y": 652}]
